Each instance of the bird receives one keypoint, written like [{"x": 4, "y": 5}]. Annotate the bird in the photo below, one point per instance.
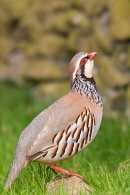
[{"x": 66, "y": 127}]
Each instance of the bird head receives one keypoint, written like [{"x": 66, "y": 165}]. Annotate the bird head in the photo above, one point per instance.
[{"x": 82, "y": 63}]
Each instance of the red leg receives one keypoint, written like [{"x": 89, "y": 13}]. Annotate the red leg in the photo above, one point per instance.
[{"x": 64, "y": 171}]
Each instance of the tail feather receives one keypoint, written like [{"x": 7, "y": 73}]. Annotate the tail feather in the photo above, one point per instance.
[{"x": 14, "y": 172}]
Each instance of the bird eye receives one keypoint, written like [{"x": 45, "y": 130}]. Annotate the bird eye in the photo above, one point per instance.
[{"x": 83, "y": 61}]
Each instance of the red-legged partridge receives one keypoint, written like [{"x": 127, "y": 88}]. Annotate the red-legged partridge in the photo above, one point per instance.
[{"x": 66, "y": 127}]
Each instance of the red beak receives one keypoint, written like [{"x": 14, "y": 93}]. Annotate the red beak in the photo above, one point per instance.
[{"x": 92, "y": 55}]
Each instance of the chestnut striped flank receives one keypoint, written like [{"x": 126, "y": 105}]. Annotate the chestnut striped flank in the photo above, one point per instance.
[
  {"x": 86, "y": 113},
  {"x": 85, "y": 124},
  {"x": 76, "y": 148},
  {"x": 57, "y": 138},
  {"x": 87, "y": 120},
  {"x": 76, "y": 119},
  {"x": 54, "y": 138},
  {"x": 88, "y": 110},
  {"x": 78, "y": 132},
  {"x": 73, "y": 132},
  {"x": 82, "y": 143},
  {"x": 75, "y": 137},
  {"x": 71, "y": 147},
  {"x": 91, "y": 126},
  {"x": 82, "y": 116},
  {"x": 67, "y": 129},
  {"x": 62, "y": 148},
  {"x": 86, "y": 137},
  {"x": 54, "y": 152},
  {"x": 94, "y": 121},
  {"x": 67, "y": 136}
]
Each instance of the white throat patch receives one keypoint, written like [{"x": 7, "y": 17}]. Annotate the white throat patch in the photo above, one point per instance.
[{"x": 89, "y": 68}]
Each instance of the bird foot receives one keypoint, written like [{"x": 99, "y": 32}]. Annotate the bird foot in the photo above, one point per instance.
[{"x": 65, "y": 172}]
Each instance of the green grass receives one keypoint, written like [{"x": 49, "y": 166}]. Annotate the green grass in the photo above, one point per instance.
[{"x": 104, "y": 164}]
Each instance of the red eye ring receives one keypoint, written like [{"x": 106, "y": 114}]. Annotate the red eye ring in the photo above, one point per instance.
[{"x": 83, "y": 61}]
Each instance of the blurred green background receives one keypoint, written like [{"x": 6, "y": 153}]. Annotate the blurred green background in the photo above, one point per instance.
[{"x": 38, "y": 39}]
